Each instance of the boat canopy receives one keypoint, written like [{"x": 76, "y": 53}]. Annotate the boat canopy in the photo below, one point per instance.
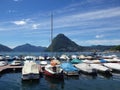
[
  {"x": 55, "y": 62},
  {"x": 103, "y": 61},
  {"x": 68, "y": 67},
  {"x": 76, "y": 61}
]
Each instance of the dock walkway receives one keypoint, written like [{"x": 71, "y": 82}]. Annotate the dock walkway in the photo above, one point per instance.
[
  {"x": 2, "y": 68},
  {"x": 9, "y": 67}
]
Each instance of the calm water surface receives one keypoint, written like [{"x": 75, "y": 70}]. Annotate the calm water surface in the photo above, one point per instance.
[{"x": 12, "y": 81}]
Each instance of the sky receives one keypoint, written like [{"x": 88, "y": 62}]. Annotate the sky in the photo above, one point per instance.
[{"x": 86, "y": 22}]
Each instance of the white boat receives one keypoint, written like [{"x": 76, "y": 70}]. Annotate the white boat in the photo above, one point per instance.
[
  {"x": 64, "y": 57},
  {"x": 113, "y": 66},
  {"x": 101, "y": 68},
  {"x": 73, "y": 56},
  {"x": 86, "y": 68},
  {"x": 3, "y": 63},
  {"x": 29, "y": 58},
  {"x": 16, "y": 63},
  {"x": 30, "y": 70},
  {"x": 113, "y": 60},
  {"x": 43, "y": 64},
  {"x": 41, "y": 58}
]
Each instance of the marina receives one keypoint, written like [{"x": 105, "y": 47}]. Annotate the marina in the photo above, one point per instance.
[{"x": 47, "y": 81}]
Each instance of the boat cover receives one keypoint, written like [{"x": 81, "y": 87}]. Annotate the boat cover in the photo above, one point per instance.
[
  {"x": 103, "y": 61},
  {"x": 76, "y": 61},
  {"x": 68, "y": 67}
]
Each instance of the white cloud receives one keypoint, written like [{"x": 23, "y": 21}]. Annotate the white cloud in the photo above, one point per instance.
[
  {"x": 99, "y": 36},
  {"x": 35, "y": 26},
  {"x": 21, "y": 22},
  {"x": 78, "y": 18}
]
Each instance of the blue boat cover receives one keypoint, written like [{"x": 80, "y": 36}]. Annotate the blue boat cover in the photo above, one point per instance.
[
  {"x": 68, "y": 67},
  {"x": 103, "y": 61},
  {"x": 76, "y": 61}
]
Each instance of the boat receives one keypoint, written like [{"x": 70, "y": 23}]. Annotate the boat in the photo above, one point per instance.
[
  {"x": 76, "y": 61},
  {"x": 30, "y": 70},
  {"x": 102, "y": 69},
  {"x": 73, "y": 56},
  {"x": 30, "y": 58},
  {"x": 83, "y": 57},
  {"x": 103, "y": 61},
  {"x": 41, "y": 58},
  {"x": 113, "y": 66},
  {"x": 69, "y": 69},
  {"x": 43, "y": 64},
  {"x": 113, "y": 60},
  {"x": 3, "y": 62},
  {"x": 16, "y": 63},
  {"x": 64, "y": 57},
  {"x": 86, "y": 68},
  {"x": 54, "y": 70}
]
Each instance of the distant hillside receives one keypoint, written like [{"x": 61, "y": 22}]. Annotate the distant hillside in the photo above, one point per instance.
[
  {"x": 4, "y": 48},
  {"x": 62, "y": 43},
  {"x": 29, "y": 48},
  {"x": 116, "y": 48},
  {"x": 98, "y": 48}
]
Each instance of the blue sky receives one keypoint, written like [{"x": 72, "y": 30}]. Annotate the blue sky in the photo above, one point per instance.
[{"x": 87, "y": 22}]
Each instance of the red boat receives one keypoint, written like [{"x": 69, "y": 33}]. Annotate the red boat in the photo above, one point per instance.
[{"x": 53, "y": 71}]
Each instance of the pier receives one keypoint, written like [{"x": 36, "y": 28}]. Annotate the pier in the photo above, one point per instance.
[{"x": 9, "y": 68}]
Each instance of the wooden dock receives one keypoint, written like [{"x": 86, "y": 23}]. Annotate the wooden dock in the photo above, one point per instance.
[
  {"x": 3, "y": 68},
  {"x": 9, "y": 68}
]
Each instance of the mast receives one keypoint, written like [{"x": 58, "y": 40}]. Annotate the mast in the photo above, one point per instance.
[{"x": 51, "y": 30}]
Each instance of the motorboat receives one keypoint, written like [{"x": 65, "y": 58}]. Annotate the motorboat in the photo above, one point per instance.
[
  {"x": 86, "y": 68},
  {"x": 69, "y": 69},
  {"x": 54, "y": 70},
  {"x": 64, "y": 57},
  {"x": 30, "y": 58},
  {"x": 3, "y": 62},
  {"x": 16, "y": 63},
  {"x": 102, "y": 69},
  {"x": 113, "y": 66},
  {"x": 76, "y": 61},
  {"x": 30, "y": 70},
  {"x": 43, "y": 63}
]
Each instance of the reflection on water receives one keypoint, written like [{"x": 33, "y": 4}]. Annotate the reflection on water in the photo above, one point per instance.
[
  {"x": 29, "y": 84},
  {"x": 55, "y": 83},
  {"x": 71, "y": 77}
]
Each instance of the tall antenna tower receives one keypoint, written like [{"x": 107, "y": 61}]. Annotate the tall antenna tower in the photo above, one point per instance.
[{"x": 51, "y": 31}]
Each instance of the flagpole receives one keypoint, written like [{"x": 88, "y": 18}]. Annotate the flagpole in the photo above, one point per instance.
[{"x": 51, "y": 30}]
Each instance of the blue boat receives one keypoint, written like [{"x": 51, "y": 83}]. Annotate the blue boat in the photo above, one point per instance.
[
  {"x": 69, "y": 69},
  {"x": 76, "y": 61},
  {"x": 103, "y": 61}
]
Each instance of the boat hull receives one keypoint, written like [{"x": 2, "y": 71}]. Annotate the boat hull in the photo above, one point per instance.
[
  {"x": 56, "y": 75},
  {"x": 71, "y": 73},
  {"x": 30, "y": 76}
]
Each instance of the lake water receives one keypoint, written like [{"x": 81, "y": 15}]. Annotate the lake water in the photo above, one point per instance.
[{"x": 12, "y": 81}]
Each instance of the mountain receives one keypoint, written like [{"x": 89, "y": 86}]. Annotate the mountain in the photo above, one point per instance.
[
  {"x": 61, "y": 43},
  {"x": 116, "y": 48},
  {"x": 29, "y": 48},
  {"x": 4, "y": 48},
  {"x": 97, "y": 48}
]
